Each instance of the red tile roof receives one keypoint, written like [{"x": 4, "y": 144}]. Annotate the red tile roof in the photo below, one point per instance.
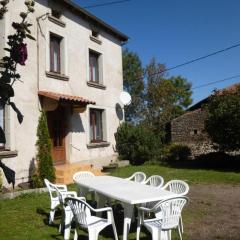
[{"x": 65, "y": 97}]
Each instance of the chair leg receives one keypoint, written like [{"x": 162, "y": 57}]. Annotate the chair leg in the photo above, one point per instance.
[
  {"x": 51, "y": 216},
  {"x": 157, "y": 234},
  {"x": 138, "y": 232},
  {"x": 92, "y": 235},
  {"x": 179, "y": 232},
  {"x": 114, "y": 231},
  {"x": 181, "y": 223},
  {"x": 75, "y": 235}
]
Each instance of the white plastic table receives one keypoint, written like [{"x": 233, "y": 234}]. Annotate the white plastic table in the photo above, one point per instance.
[{"x": 127, "y": 192}]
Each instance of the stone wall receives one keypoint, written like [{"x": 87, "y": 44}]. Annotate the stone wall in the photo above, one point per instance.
[{"x": 188, "y": 129}]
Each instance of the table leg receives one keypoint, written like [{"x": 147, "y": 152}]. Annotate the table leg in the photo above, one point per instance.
[
  {"x": 128, "y": 212},
  {"x": 101, "y": 202}
]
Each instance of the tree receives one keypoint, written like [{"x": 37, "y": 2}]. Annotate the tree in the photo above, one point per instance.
[
  {"x": 45, "y": 167},
  {"x": 166, "y": 98},
  {"x": 223, "y": 121},
  {"x": 133, "y": 83}
]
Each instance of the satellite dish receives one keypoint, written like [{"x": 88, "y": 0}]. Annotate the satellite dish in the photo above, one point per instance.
[{"x": 125, "y": 98}]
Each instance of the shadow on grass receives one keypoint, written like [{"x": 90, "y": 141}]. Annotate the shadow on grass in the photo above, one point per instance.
[
  {"x": 83, "y": 235},
  {"x": 212, "y": 161}
]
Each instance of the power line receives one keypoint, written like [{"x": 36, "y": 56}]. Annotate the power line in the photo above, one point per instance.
[
  {"x": 218, "y": 81},
  {"x": 194, "y": 60},
  {"x": 106, "y": 4}
]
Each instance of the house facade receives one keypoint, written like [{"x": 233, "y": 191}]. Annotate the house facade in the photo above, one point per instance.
[{"x": 74, "y": 73}]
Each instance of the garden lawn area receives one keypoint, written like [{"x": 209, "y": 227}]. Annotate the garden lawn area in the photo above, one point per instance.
[{"x": 208, "y": 215}]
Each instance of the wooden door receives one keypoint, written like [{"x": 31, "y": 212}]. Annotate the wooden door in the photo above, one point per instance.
[{"x": 57, "y": 130}]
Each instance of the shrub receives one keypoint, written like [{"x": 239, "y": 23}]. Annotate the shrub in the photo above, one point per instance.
[
  {"x": 222, "y": 123},
  {"x": 136, "y": 143},
  {"x": 45, "y": 167},
  {"x": 177, "y": 152}
]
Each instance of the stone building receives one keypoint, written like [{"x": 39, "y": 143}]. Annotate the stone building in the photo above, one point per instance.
[
  {"x": 188, "y": 129},
  {"x": 74, "y": 73}
]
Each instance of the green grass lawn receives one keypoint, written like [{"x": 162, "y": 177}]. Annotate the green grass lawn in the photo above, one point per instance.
[{"x": 26, "y": 217}]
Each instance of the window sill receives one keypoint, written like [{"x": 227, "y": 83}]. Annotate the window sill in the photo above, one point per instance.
[
  {"x": 56, "y": 21},
  {"x": 96, "y": 40},
  {"x": 57, "y": 76},
  {"x": 96, "y": 85},
  {"x": 98, "y": 145},
  {"x": 8, "y": 154}
]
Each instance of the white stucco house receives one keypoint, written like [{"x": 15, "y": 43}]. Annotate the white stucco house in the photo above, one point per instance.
[{"x": 74, "y": 73}]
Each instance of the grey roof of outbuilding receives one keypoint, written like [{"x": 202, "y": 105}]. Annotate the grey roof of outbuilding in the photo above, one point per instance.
[{"x": 95, "y": 20}]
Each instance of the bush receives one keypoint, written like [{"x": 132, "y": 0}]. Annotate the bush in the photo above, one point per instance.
[
  {"x": 136, "y": 144},
  {"x": 177, "y": 152},
  {"x": 45, "y": 167}
]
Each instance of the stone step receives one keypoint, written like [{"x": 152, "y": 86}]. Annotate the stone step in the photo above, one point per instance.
[{"x": 65, "y": 172}]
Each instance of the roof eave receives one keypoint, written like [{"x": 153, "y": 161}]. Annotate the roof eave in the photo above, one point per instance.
[{"x": 121, "y": 36}]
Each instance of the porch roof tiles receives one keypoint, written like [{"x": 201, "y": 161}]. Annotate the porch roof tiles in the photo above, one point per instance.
[{"x": 65, "y": 98}]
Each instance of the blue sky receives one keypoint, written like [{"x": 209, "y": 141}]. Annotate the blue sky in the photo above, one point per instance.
[{"x": 175, "y": 31}]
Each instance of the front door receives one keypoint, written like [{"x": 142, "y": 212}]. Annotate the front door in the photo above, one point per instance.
[{"x": 57, "y": 130}]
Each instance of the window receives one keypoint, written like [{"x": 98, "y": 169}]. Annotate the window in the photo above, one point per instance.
[
  {"x": 2, "y": 125},
  {"x": 57, "y": 14},
  {"x": 96, "y": 125},
  {"x": 94, "y": 67},
  {"x": 95, "y": 33},
  {"x": 55, "y": 53}
]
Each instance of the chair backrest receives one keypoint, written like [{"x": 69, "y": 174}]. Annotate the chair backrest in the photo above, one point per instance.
[
  {"x": 80, "y": 210},
  {"x": 168, "y": 212},
  {"x": 155, "y": 181},
  {"x": 60, "y": 197},
  {"x": 51, "y": 189},
  {"x": 82, "y": 174},
  {"x": 177, "y": 186},
  {"x": 138, "y": 177}
]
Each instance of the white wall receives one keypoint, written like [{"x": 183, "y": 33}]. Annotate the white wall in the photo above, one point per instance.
[{"x": 76, "y": 47}]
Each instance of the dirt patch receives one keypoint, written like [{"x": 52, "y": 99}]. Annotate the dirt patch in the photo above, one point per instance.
[{"x": 213, "y": 212}]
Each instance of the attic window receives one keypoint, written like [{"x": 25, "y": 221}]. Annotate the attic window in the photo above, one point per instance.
[
  {"x": 95, "y": 33},
  {"x": 57, "y": 14}
]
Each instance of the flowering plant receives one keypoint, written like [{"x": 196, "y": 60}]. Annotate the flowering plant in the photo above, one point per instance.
[{"x": 18, "y": 54}]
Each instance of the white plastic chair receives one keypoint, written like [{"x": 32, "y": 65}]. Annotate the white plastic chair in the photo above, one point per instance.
[
  {"x": 167, "y": 216},
  {"x": 79, "y": 176},
  {"x": 138, "y": 177},
  {"x": 65, "y": 225},
  {"x": 84, "y": 219},
  {"x": 53, "y": 197},
  {"x": 179, "y": 187},
  {"x": 155, "y": 181}
]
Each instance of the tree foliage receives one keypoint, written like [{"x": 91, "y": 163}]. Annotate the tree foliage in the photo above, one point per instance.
[
  {"x": 133, "y": 84},
  {"x": 223, "y": 122},
  {"x": 136, "y": 143},
  {"x": 45, "y": 167},
  {"x": 166, "y": 98}
]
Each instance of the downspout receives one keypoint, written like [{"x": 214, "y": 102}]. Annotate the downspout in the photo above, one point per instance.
[{"x": 42, "y": 17}]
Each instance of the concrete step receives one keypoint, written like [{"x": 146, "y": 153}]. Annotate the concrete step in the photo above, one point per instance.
[{"x": 65, "y": 172}]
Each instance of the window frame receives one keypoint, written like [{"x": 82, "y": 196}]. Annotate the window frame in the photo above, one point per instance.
[
  {"x": 98, "y": 56},
  {"x": 94, "y": 124},
  {"x": 59, "y": 52}
]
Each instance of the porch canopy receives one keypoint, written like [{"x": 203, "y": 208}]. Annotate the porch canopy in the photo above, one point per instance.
[{"x": 65, "y": 98}]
